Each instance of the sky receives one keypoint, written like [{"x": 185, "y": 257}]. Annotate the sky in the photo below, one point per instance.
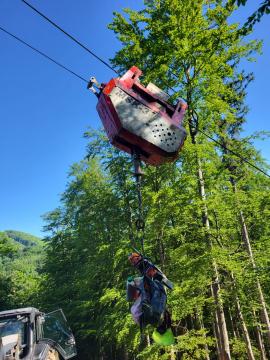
[{"x": 44, "y": 110}]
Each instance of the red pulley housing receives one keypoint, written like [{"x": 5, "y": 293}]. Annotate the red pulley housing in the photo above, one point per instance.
[{"x": 138, "y": 118}]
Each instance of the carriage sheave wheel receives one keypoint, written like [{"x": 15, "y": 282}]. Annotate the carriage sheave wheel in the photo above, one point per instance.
[{"x": 53, "y": 355}]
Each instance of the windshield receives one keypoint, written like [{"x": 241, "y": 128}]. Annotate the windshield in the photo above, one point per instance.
[
  {"x": 14, "y": 325},
  {"x": 56, "y": 328}
]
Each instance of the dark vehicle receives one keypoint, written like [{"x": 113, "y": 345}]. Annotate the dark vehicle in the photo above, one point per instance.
[{"x": 32, "y": 335}]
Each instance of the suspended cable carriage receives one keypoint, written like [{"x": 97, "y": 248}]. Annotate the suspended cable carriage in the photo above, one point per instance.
[{"x": 139, "y": 119}]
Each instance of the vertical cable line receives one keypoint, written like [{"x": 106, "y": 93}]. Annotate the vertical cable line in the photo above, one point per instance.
[
  {"x": 43, "y": 54},
  {"x": 71, "y": 37}
]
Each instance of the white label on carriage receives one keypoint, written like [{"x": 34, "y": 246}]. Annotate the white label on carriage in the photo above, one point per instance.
[
  {"x": 142, "y": 121},
  {"x": 157, "y": 91}
]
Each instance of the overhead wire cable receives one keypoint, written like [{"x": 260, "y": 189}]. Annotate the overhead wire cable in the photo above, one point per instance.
[
  {"x": 110, "y": 67},
  {"x": 228, "y": 149},
  {"x": 43, "y": 54},
  {"x": 233, "y": 152},
  {"x": 71, "y": 37}
]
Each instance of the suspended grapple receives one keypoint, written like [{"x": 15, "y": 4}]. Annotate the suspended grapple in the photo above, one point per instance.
[{"x": 139, "y": 119}]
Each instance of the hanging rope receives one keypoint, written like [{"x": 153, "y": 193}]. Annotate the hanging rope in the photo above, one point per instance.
[{"x": 140, "y": 223}]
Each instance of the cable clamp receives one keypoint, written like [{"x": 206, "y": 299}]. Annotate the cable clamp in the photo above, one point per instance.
[{"x": 93, "y": 85}]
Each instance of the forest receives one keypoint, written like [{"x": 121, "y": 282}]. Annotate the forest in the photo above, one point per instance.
[{"x": 206, "y": 214}]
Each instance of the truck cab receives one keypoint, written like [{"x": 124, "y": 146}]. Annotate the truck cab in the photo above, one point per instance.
[{"x": 30, "y": 334}]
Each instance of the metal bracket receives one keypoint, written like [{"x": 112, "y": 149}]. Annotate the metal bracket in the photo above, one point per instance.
[{"x": 93, "y": 85}]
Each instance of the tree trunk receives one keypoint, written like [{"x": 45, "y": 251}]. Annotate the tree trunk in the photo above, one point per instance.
[
  {"x": 148, "y": 341},
  {"x": 215, "y": 287},
  {"x": 217, "y": 337},
  {"x": 245, "y": 330},
  {"x": 245, "y": 238},
  {"x": 220, "y": 318},
  {"x": 258, "y": 333},
  {"x": 223, "y": 346},
  {"x": 172, "y": 355},
  {"x": 241, "y": 319},
  {"x": 199, "y": 321},
  {"x": 125, "y": 354},
  {"x": 264, "y": 313},
  {"x": 243, "y": 324},
  {"x": 233, "y": 325}
]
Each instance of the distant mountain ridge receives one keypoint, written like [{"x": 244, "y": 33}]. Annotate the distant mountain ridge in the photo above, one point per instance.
[
  {"x": 23, "y": 238},
  {"x": 21, "y": 261}
]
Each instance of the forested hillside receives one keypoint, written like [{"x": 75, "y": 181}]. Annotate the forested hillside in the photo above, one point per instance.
[
  {"x": 27, "y": 240},
  {"x": 20, "y": 266},
  {"x": 207, "y": 215}
]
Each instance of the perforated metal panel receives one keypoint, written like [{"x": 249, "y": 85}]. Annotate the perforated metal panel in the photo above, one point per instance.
[{"x": 149, "y": 125}]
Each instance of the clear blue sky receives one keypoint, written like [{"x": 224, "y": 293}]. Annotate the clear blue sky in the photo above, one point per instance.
[{"x": 44, "y": 110}]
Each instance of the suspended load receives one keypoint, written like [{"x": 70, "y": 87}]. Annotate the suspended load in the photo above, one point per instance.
[
  {"x": 149, "y": 298},
  {"x": 139, "y": 119}
]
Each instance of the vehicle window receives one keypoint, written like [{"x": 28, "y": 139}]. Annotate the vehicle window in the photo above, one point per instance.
[
  {"x": 56, "y": 328},
  {"x": 12, "y": 326}
]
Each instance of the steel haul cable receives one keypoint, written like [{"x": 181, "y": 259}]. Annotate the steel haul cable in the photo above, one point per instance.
[
  {"x": 233, "y": 152},
  {"x": 43, "y": 54},
  {"x": 106, "y": 64},
  {"x": 70, "y": 36}
]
